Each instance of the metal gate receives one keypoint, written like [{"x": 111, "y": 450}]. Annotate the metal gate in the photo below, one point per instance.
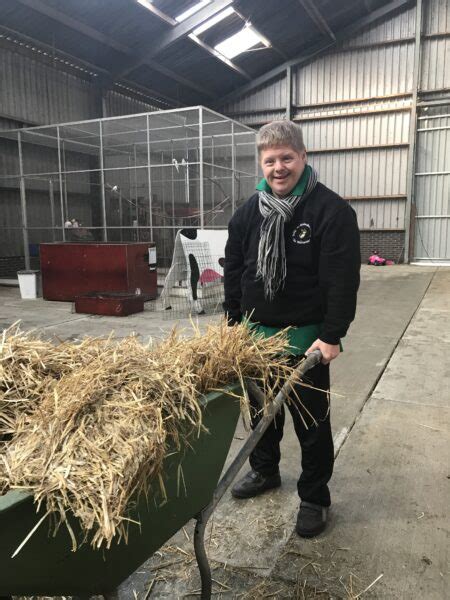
[{"x": 432, "y": 185}]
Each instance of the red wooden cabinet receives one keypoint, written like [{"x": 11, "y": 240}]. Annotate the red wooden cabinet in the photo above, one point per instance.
[{"x": 71, "y": 269}]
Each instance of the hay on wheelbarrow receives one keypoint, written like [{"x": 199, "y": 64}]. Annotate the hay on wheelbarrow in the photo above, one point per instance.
[
  {"x": 100, "y": 432},
  {"x": 30, "y": 367}
]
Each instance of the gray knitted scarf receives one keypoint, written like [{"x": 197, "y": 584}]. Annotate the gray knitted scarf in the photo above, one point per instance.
[{"x": 276, "y": 212}]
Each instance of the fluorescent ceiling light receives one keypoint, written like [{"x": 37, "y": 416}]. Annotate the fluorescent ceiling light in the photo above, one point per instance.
[
  {"x": 190, "y": 11},
  {"x": 240, "y": 42},
  {"x": 216, "y": 19}
]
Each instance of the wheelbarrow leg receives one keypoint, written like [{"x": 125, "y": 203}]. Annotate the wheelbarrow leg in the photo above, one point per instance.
[
  {"x": 110, "y": 596},
  {"x": 202, "y": 519},
  {"x": 200, "y": 553}
]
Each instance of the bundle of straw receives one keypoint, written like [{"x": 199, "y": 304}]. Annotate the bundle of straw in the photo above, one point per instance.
[
  {"x": 30, "y": 367},
  {"x": 100, "y": 432}
]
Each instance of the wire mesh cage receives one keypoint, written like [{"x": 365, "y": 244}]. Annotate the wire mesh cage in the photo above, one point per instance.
[{"x": 134, "y": 178}]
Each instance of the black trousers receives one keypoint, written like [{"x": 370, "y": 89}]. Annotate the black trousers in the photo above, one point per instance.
[{"x": 316, "y": 440}]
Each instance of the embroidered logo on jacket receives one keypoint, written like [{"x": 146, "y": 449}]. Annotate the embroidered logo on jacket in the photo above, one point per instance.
[{"x": 302, "y": 234}]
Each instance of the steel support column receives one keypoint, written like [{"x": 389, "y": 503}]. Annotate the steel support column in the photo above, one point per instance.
[
  {"x": 102, "y": 186},
  {"x": 410, "y": 177},
  {"x": 201, "y": 186},
  {"x": 51, "y": 195},
  {"x": 256, "y": 167},
  {"x": 233, "y": 166},
  {"x": 23, "y": 206},
  {"x": 289, "y": 93},
  {"x": 61, "y": 193},
  {"x": 149, "y": 180}
]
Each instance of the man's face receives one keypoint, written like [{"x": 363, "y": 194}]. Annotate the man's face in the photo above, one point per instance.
[{"x": 282, "y": 167}]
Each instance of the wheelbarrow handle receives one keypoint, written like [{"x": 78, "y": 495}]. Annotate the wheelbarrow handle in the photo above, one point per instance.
[{"x": 311, "y": 360}]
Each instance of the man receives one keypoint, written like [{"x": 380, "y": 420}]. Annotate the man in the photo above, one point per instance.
[{"x": 293, "y": 259}]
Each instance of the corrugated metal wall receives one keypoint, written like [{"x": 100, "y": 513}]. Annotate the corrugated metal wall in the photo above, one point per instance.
[
  {"x": 432, "y": 186},
  {"x": 435, "y": 73},
  {"x": 362, "y": 131},
  {"x": 432, "y": 181},
  {"x": 260, "y": 105},
  {"x": 117, "y": 103},
  {"x": 354, "y": 105},
  {"x": 36, "y": 91}
]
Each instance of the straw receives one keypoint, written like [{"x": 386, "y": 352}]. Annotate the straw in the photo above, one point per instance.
[{"x": 87, "y": 425}]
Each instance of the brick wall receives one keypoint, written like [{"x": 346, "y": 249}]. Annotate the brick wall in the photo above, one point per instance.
[
  {"x": 9, "y": 265},
  {"x": 388, "y": 244}
]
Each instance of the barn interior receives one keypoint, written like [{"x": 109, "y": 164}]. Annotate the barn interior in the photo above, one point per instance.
[{"x": 128, "y": 133}]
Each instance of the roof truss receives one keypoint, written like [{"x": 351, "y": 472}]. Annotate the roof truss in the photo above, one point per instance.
[
  {"x": 317, "y": 50},
  {"x": 169, "y": 37},
  {"x": 94, "y": 34},
  {"x": 318, "y": 19}
]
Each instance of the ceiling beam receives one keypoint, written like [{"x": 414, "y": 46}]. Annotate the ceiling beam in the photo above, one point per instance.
[
  {"x": 94, "y": 34},
  {"x": 169, "y": 37},
  {"x": 261, "y": 31},
  {"x": 317, "y": 49},
  {"x": 159, "y": 13},
  {"x": 190, "y": 26},
  {"x": 224, "y": 59},
  {"x": 318, "y": 19},
  {"x": 60, "y": 17}
]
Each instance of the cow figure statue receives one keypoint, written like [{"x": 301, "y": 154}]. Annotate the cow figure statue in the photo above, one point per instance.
[{"x": 197, "y": 263}]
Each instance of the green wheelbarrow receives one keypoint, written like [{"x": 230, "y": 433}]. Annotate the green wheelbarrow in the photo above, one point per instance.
[{"x": 46, "y": 565}]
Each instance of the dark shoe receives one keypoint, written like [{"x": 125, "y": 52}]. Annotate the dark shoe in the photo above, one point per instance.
[
  {"x": 254, "y": 484},
  {"x": 311, "y": 519}
]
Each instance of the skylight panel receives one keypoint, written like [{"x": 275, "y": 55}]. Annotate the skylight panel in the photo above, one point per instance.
[
  {"x": 145, "y": 3},
  {"x": 214, "y": 20},
  {"x": 240, "y": 42},
  {"x": 191, "y": 11}
]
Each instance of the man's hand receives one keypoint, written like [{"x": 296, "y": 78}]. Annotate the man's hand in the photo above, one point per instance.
[{"x": 329, "y": 351}]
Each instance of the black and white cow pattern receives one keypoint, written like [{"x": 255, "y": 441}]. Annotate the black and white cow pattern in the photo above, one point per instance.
[{"x": 198, "y": 259}]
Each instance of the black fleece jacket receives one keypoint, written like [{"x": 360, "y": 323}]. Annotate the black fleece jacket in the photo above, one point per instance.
[{"x": 323, "y": 262}]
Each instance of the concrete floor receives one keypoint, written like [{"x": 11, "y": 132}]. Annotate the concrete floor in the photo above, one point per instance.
[{"x": 389, "y": 522}]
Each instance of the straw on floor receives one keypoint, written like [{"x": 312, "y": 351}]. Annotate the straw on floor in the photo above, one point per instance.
[{"x": 88, "y": 424}]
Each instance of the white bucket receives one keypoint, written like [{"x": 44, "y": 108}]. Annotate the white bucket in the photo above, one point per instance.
[{"x": 28, "y": 283}]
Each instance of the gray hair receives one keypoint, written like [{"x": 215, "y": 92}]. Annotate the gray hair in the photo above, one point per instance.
[{"x": 280, "y": 133}]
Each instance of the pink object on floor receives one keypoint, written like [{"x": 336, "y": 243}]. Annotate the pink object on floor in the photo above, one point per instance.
[{"x": 378, "y": 261}]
